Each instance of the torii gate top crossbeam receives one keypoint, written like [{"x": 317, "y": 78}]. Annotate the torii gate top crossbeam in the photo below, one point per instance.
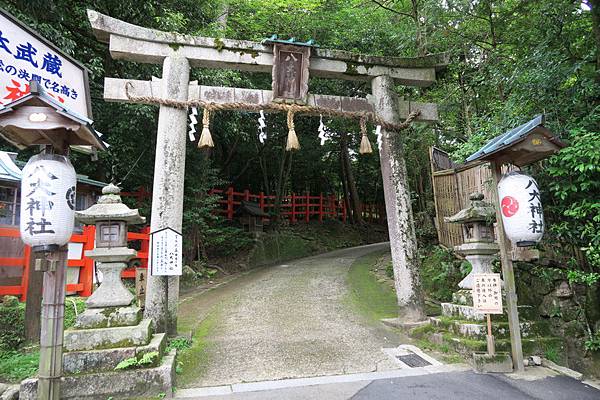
[{"x": 135, "y": 43}]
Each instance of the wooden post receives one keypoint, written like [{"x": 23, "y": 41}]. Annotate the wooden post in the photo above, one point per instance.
[
  {"x": 293, "y": 208},
  {"x": 230, "y": 203},
  {"x": 261, "y": 201},
  {"x": 508, "y": 275},
  {"x": 26, "y": 272},
  {"x": 145, "y": 247},
  {"x": 51, "y": 338},
  {"x": 490, "y": 338},
  {"x": 32, "y": 296},
  {"x": 321, "y": 208},
  {"x": 86, "y": 273}
]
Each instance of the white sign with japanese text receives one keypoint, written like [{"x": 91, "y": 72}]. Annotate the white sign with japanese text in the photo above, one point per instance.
[
  {"x": 166, "y": 250},
  {"x": 24, "y": 57},
  {"x": 487, "y": 293}
]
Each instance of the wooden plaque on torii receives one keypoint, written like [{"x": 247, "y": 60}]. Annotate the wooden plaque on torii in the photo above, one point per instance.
[{"x": 290, "y": 73}]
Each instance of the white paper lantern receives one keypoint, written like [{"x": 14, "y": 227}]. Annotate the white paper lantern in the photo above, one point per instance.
[
  {"x": 47, "y": 201},
  {"x": 521, "y": 209}
]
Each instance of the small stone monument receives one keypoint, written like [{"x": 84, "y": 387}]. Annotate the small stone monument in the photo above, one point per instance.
[{"x": 111, "y": 329}]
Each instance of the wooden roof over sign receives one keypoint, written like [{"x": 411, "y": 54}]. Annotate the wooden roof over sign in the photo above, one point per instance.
[
  {"x": 522, "y": 145},
  {"x": 26, "y": 122}
]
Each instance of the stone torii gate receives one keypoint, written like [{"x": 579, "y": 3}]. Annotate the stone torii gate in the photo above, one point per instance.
[{"x": 177, "y": 53}]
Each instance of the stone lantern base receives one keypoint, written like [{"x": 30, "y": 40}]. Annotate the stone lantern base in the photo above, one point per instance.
[{"x": 99, "y": 341}]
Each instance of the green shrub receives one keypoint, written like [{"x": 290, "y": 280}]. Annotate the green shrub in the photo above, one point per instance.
[
  {"x": 70, "y": 304},
  {"x": 16, "y": 366},
  {"x": 12, "y": 327},
  {"x": 441, "y": 272}
]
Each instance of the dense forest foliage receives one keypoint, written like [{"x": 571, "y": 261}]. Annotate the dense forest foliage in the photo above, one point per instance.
[{"x": 509, "y": 60}]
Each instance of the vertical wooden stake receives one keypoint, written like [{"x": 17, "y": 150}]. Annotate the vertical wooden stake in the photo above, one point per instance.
[
  {"x": 490, "y": 338},
  {"x": 508, "y": 275},
  {"x": 51, "y": 339}
]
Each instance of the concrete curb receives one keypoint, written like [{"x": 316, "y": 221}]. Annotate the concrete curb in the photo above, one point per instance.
[
  {"x": 321, "y": 380},
  {"x": 562, "y": 370}
]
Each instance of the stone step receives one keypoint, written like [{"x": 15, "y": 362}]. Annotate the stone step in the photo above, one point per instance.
[
  {"x": 469, "y": 313},
  {"x": 108, "y": 338},
  {"x": 126, "y": 384},
  {"x": 531, "y": 346},
  {"x": 474, "y": 330},
  {"x": 94, "y": 318},
  {"x": 90, "y": 361}
]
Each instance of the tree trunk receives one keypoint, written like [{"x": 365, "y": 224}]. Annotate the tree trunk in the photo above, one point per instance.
[
  {"x": 595, "y": 10},
  {"x": 283, "y": 175},
  {"x": 222, "y": 18},
  {"x": 354, "y": 199},
  {"x": 346, "y": 196}
]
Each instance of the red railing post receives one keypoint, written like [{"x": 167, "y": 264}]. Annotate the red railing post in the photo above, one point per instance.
[
  {"x": 145, "y": 247},
  {"x": 86, "y": 272},
  {"x": 321, "y": 208},
  {"x": 293, "y": 208},
  {"x": 25, "y": 278},
  {"x": 343, "y": 205},
  {"x": 246, "y": 195},
  {"x": 230, "y": 203},
  {"x": 307, "y": 207},
  {"x": 261, "y": 201}
]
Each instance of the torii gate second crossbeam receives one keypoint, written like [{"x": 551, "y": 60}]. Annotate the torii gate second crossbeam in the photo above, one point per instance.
[{"x": 178, "y": 53}]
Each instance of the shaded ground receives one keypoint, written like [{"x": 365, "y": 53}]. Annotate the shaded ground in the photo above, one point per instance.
[{"x": 287, "y": 321}]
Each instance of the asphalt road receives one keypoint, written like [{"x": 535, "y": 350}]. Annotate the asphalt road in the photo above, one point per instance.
[
  {"x": 468, "y": 385},
  {"x": 458, "y": 385}
]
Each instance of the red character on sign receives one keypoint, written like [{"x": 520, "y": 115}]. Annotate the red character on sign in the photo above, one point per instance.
[
  {"x": 15, "y": 93},
  {"x": 509, "y": 205}
]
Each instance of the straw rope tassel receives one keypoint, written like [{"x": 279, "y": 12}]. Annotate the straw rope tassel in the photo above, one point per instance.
[
  {"x": 292, "y": 139},
  {"x": 365, "y": 144},
  {"x": 206, "y": 137}
]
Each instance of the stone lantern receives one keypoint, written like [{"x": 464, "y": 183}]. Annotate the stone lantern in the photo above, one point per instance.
[
  {"x": 479, "y": 247},
  {"x": 111, "y": 218}
]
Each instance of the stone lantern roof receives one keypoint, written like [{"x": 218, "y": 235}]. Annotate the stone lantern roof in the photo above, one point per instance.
[
  {"x": 109, "y": 207},
  {"x": 478, "y": 211}
]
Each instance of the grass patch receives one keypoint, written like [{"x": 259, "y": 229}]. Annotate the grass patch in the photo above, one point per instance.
[
  {"x": 370, "y": 297},
  {"x": 16, "y": 366},
  {"x": 192, "y": 360}
]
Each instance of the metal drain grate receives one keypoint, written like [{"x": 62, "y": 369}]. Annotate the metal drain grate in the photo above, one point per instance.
[{"x": 413, "y": 360}]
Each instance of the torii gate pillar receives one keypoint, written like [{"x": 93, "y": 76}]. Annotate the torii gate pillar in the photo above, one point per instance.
[
  {"x": 401, "y": 227},
  {"x": 162, "y": 292}
]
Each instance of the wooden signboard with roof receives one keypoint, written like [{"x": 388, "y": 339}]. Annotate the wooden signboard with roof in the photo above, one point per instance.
[{"x": 520, "y": 146}]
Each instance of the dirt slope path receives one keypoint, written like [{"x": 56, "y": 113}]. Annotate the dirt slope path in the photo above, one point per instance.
[{"x": 291, "y": 321}]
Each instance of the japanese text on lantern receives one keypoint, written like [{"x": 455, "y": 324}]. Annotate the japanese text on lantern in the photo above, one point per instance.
[
  {"x": 41, "y": 196},
  {"x": 487, "y": 293},
  {"x": 24, "y": 57},
  {"x": 165, "y": 252},
  {"x": 535, "y": 208}
]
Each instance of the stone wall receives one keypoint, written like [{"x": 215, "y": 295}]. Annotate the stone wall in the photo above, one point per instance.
[{"x": 572, "y": 310}]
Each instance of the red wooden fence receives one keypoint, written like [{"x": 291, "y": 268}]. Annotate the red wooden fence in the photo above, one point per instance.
[
  {"x": 296, "y": 207},
  {"x": 86, "y": 265}
]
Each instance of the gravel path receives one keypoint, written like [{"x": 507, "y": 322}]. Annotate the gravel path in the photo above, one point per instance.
[{"x": 291, "y": 321}]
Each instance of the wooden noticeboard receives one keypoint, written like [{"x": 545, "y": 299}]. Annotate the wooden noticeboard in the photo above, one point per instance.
[{"x": 487, "y": 293}]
